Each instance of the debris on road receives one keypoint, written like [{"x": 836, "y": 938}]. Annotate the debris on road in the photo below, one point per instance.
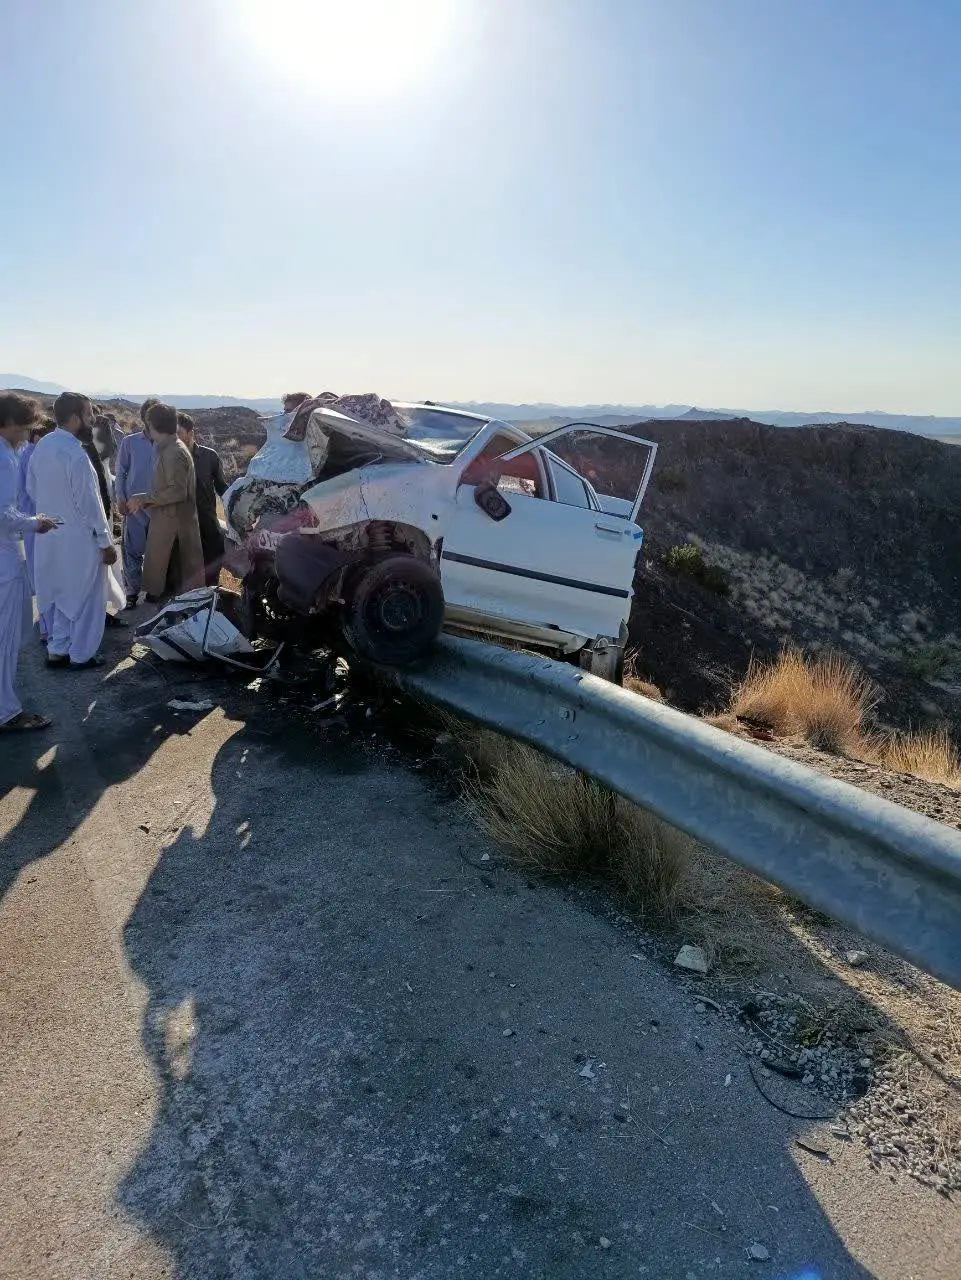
[
  {"x": 692, "y": 958},
  {"x": 855, "y": 958},
  {"x": 758, "y": 1253},
  {"x": 821, "y": 1152},
  {"x": 586, "y": 1072},
  {"x": 182, "y": 704}
]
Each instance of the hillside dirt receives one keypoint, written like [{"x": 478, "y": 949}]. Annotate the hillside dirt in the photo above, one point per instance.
[
  {"x": 235, "y": 432},
  {"x": 845, "y": 538}
]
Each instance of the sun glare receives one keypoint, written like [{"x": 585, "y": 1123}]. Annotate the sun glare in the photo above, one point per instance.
[{"x": 359, "y": 49}]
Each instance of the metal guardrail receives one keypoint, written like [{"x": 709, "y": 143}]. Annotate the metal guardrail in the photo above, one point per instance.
[{"x": 889, "y": 873}]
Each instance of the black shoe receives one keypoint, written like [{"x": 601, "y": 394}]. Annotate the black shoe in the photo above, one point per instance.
[
  {"x": 112, "y": 620},
  {"x": 131, "y": 603},
  {"x": 58, "y": 660},
  {"x": 95, "y": 661}
]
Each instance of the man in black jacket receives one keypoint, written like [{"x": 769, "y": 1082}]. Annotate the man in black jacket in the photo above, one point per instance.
[{"x": 211, "y": 484}]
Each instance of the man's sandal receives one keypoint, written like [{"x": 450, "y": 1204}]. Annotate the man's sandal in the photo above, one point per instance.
[{"x": 24, "y": 721}]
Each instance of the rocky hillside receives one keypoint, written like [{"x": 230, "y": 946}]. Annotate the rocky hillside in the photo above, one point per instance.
[
  {"x": 844, "y": 537},
  {"x": 235, "y": 432}
]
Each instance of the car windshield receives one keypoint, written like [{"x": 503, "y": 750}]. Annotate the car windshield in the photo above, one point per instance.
[{"x": 443, "y": 433}]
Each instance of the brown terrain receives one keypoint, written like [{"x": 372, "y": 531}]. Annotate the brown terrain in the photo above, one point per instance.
[
  {"x": 235, "y": 432},
  {"x": 842, "y": 538}
]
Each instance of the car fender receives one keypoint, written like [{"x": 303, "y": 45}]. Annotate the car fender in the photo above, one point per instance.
[
  {"x": 337, "y": 502},
  {"x": 409, "y": 494}
]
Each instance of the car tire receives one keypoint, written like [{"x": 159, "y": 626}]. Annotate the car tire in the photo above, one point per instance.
[{"x": 394, "y": 611}]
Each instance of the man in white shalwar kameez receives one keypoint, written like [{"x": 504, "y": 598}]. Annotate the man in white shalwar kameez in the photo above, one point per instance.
[
  {"x": 16, "y": 609},
  {"x": 72, "y": 563}
]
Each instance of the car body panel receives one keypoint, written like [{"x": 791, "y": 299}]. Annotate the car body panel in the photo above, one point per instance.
[{"x": 557, "y": 571}]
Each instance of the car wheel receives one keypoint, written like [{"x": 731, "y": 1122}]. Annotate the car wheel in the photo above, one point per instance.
[{"x": 395, "y": 610}]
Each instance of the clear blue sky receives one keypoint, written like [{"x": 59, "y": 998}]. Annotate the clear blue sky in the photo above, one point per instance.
[{"x": 751, "y": 203}]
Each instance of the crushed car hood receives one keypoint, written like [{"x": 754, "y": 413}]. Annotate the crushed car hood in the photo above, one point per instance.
[{"x": 394, "y": 447}]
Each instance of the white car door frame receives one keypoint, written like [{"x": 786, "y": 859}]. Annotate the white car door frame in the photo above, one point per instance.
[
  {"x": 545, "y": 440},
  {"x": 547, "y": 564}
]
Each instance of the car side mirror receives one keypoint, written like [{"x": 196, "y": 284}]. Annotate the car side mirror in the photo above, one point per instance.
[{"x": 491, "y": 502}]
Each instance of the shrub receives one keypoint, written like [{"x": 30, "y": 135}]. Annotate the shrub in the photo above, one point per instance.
[
  {"x": 560, "y": 821},
  {"x": 670, "y": 480},
  {"x": 688, "y": 559},
  {"x": 930, "y": 754},
  {"x": 684, "y": 557},
  {"x": 826, "y": 699}
]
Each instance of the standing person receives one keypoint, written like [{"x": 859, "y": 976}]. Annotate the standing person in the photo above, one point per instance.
[
  {"x": 172, "y": 503},
  {"x": 16, "y": 416},
  {"x": 135, "y": 466},
  {"x": 105, "y": 485},
  {"x": 211, "y": 484},
  {"x": 72, "y": 562},
  {"x": 41, "y": 427}
]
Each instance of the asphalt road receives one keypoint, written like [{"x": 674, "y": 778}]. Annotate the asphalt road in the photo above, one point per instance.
[{"x": 271, "y": 1008}]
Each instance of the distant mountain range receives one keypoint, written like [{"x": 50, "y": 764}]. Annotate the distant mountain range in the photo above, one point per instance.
[
  {"x": 607, "y": 414},
  {"x": 20, "y": 382},
  {"x": 615, "y": 414}
]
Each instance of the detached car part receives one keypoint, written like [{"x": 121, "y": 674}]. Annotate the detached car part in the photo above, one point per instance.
[{"x": 194, "y": 626}]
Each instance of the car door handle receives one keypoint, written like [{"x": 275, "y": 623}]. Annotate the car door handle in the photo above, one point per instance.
[{"x": 606, "y": 528}]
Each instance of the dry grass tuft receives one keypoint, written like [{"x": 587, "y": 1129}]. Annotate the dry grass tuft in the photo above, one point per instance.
[
  {"x": 643, "y": 688},
  {"x": 635, "y": 683},
  {"x": 829, "y": 701},
  {"x": 826, "y": 699},
  {"x": 930, "y": 755},
  {"x": 560, "y": 821}
]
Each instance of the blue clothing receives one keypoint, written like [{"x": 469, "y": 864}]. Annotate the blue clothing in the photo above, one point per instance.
[
  {"x": 23, "y": 457},
  {"x": 15, "y": 611},
  {"x": 135, "y": 529},
  {"x": 135, "y": 466},
  {"x": 25, "y": 503}
]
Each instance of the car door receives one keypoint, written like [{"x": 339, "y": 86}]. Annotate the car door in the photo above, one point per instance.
[{"x": 555, "y": 561}]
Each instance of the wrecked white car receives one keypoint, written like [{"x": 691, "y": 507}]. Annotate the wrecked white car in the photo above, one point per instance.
[{"x": 379, "y": 533}]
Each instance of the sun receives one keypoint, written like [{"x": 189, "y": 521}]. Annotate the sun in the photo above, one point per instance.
[{"x": 366, "y": 50}]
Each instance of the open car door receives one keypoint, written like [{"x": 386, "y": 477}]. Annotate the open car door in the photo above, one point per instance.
[
  {"x": 545, "y": 550},
  {"x": 617, "y": 465}
]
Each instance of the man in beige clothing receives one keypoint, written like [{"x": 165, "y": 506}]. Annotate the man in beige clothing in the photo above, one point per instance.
[{"x": 173, "y": 509}]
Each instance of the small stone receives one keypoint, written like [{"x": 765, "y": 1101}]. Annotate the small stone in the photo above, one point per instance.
[
  {"x": 855, "y": 958},
  {"x": 807, "y": 1078},
  {"x": 604, "y": 1242},
  {"x": 864, "y": 1062},
  {"x": 758, "y": 1252},
  {"x": 700, "y": 1008},
  {"x": 507, "y": 1032},
  {"x": 692, "y": 958}
]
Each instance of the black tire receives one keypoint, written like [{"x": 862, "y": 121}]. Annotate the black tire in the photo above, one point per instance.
[{"x": 394, "y": 611}]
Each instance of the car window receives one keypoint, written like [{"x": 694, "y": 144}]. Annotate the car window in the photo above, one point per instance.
[
  {"x": 617, "y": 466},
  {"x": 521, "y": 475},
  {"x": 569, "y": 488}
]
